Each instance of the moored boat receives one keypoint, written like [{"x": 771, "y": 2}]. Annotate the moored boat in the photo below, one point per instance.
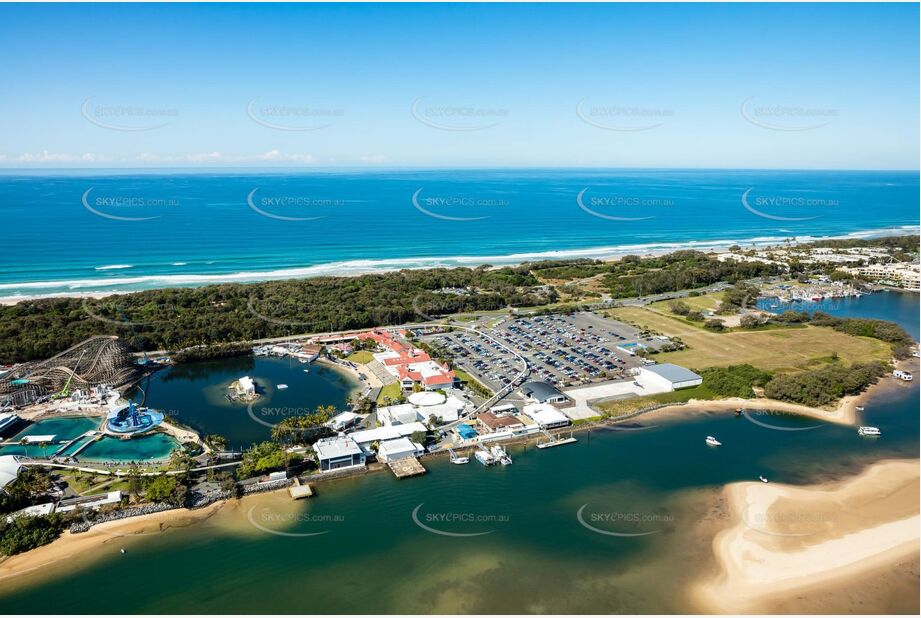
[
  {"x": 869, "y": 432},
  {"x": 711, "y": 441},
  {"x": 484, "y": 457}
]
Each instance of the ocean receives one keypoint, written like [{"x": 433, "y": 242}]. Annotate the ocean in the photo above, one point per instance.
[{"x": 124, "y": 231}]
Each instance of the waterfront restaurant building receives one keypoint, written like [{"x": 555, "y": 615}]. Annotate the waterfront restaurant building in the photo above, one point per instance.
[{"x": 338, "y": 453}]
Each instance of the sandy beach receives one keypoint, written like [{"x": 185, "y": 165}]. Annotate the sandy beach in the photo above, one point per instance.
[
  {"x": 784, "y": 543},
  {"x": 80, "y": 550}
]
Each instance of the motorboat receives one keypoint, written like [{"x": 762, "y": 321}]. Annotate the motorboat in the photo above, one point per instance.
[
  {"x": 457, "y": 459},
  {"x": 501, "y": 455},
  {"x": 762, "y": 479},
  {"x": 282, "y": 387},
  {"x": 859, "y": 408},
  {"x": 484, "y": 457},
  {"x": 711, "y": 441},
  {"x": 869, "y": 432}
]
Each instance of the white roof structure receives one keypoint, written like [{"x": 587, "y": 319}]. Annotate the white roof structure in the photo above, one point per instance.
[
  {"x": 673, "y": 373},
  {"x": 380, "y": 434},
  {"x": 9, "y": 469},
  {"x": 340, "y": 446},
  {"x": 399, "y": 414},
  {"x": 546, "y": 415},
  {"x": 247, "y": 385},
  {"x": 426, "y": 398},
  {"x": 343, "y": 419},
  {"x": 45, "y": 439},
  {"x": 395, "y": 449},
  {"x": 35, "y": 510}
]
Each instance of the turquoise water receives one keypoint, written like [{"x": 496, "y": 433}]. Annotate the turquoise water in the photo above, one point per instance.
[
  {"x": 195, "y": 394},
  {"x": 63, "y": 429},
  {"x": 367, "y": 221},
  {"x": 145, "y": 448},
  {"x": 365, "y": 553},
  {"x": 153, "y": 446}
]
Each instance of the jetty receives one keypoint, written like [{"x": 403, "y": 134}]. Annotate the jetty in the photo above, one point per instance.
[
  {"x": 406, "y": 467},
  {"x": 552, "y": 441},
  {"x": 298, "y": 491}
]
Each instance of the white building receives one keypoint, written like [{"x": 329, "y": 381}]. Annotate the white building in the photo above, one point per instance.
[
  {"x": 338, "y": 453},
  {"x": 246, "y": 387},
  {"x": 401, "y": 448},
  {"x": 667, "y": 376},
  {"x": 401, "y": 414},
  {"x": 343, "y": 421},
  {"x": 9, "y": 470},
  {"x": 366, "y": 438},
  {"x": 545, "y": 415}
]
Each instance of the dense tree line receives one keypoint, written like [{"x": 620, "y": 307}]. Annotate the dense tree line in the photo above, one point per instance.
[
  {"x": 178, "y": 318},
  {"x": 636, "y": 276},
  {"x": 827, "y": 385},
  {"x": 735, "y": 380}
]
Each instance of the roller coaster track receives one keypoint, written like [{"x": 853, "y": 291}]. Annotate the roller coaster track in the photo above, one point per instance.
[{"x": 97, "y": 360}]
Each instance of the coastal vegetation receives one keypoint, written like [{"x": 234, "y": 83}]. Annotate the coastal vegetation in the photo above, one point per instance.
[
  {"x": 735, "y": 380},
  {"x": 826, "y": 385},
  {"x": 25, "y": 533}
]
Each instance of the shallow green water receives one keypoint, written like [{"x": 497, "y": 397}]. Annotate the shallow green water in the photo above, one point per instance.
[{"x": 357, "y": 548}]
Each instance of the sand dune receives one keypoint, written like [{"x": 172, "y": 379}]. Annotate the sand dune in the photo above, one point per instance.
[{"x": 786, "y": 541}]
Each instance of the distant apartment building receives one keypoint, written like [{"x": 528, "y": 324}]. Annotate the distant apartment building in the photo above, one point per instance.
[{"x": 900, "y": 275}]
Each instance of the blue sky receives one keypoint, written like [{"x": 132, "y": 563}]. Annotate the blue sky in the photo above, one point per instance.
[{"x": 659, "y": 85}]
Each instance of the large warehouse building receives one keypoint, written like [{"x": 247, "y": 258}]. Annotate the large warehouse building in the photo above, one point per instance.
[{"x": 667, "y": 376}]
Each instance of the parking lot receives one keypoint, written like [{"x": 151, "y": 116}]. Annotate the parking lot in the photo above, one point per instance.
[{"x": 564, "y": 350}]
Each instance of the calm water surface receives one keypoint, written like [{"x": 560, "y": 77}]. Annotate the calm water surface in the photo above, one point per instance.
[{"x": 358, "y": 548}]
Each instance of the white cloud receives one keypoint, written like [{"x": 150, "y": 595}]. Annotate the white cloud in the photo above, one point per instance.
[{"x": 59, "y": 157}]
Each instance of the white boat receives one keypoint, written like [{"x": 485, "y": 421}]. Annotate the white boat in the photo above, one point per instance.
[
  {"x": 903, "y": 375},
  {"x": 456, "y": 459},
  {"x": 484, "y": 457},
  {"x": 501, "y": 455},
  {"x": 869, "y": 432},
  {"x": 762, "y": 479},
  {"x": 859, "y": 408},
  {"x": 282, "y": 387},
  {"x": 306, "y": 371},
  {"x": 711, "y": 441}
]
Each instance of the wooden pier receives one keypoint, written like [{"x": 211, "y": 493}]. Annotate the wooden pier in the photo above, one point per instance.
[{"x": 406, "y": 467}]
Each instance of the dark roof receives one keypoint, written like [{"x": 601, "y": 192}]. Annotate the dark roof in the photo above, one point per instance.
[{"x": 540, "y": 390}]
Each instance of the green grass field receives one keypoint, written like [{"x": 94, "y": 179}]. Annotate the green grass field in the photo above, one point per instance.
[
  {"x": 706, "y": 302},
  {"x": 776, "y": 349},
  {"x": 391, "y": 390},
  {"x": 361, "y": 357}
]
